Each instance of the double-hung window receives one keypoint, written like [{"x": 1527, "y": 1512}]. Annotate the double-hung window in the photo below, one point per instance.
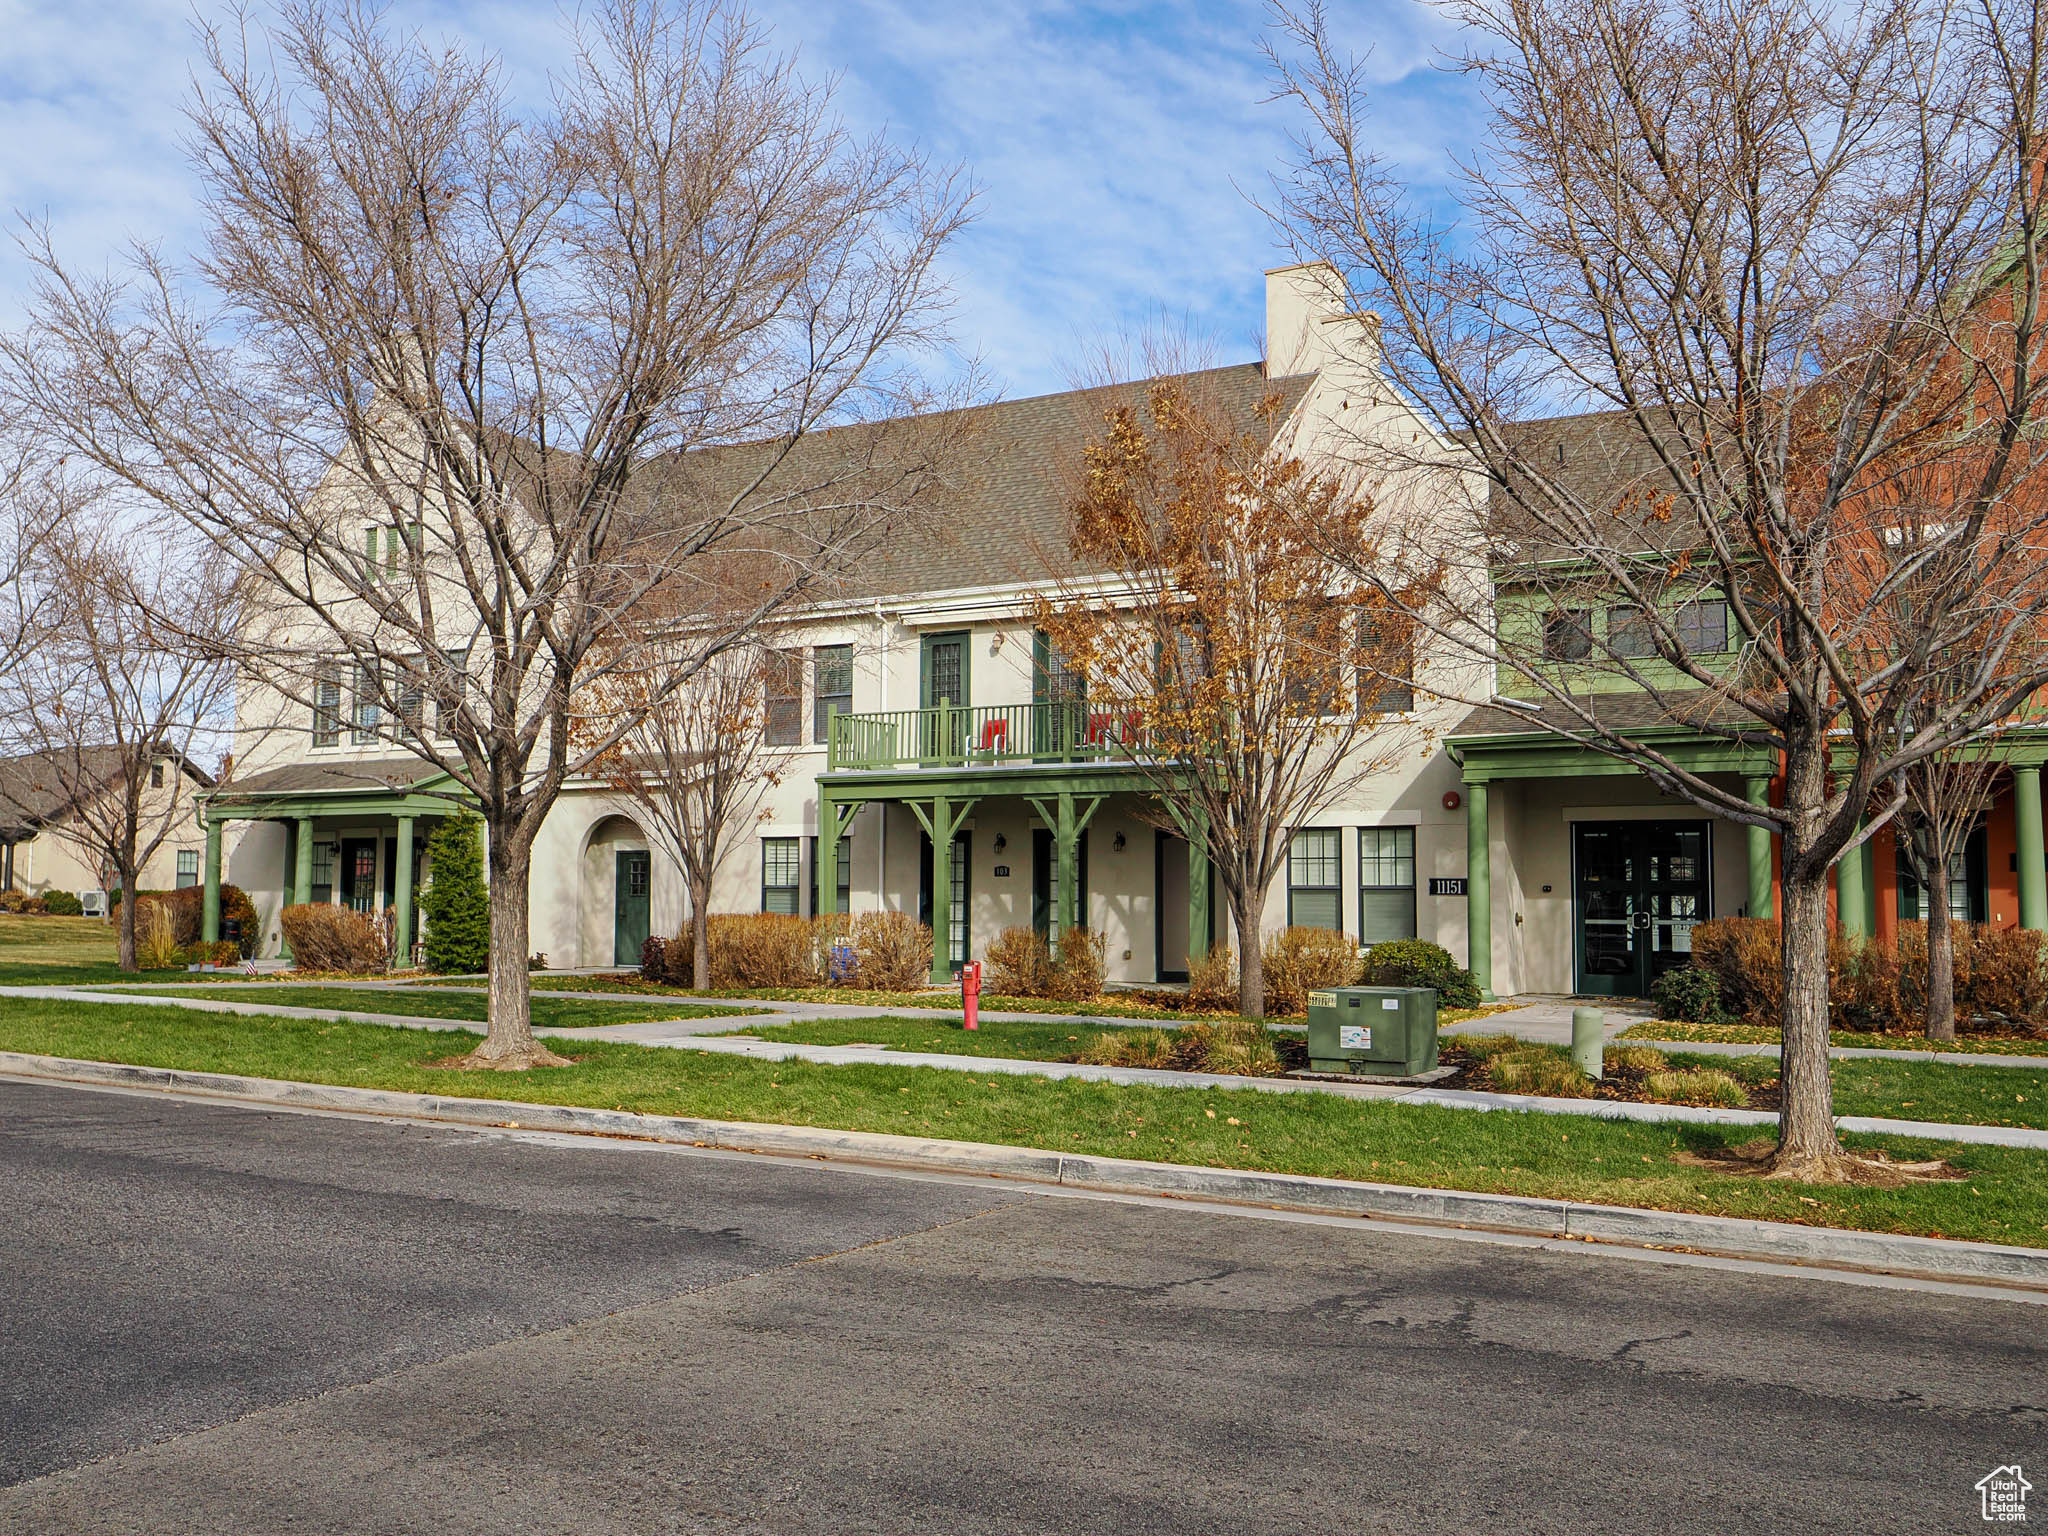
[
  {"x": 1315, "y": 893},
  {"x": 327, "y": 708},
  {"x": 1568, "y": 635},
  {"x": 782, "y": 874},
  {"x": 784, "y": 726},
  {"x": 410, "y": 682},
  {"x": 832, "y": 688},
  {"x": 188, "y": 867},
  {"x": 1629, "y": 632},
  {"x": 1703, "y": 627},
  {"x": 1386, "y": 661},
  {"x": 449, "y": 687},
  {"x": 366, "y": 709},
  {"x": 1386, "y": 884}
]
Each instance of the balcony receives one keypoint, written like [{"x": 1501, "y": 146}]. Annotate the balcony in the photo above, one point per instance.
[{"x": 957, "y": 736}]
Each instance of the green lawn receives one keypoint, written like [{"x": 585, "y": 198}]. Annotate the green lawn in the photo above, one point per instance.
[
  {"x": 1933, "y": 1090},
  {"x": 422, "y": 1002},
  {"x": 1027, "y": 1040},
  {"x": 2004, "y": 1199},
  {"x": 1758, "y": 1034}
]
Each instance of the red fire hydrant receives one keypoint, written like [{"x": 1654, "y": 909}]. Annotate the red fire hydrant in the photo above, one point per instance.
[{"x": 970, "y": 992}]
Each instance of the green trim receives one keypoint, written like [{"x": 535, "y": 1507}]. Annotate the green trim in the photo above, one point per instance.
[{"x": 1544, "y": 755}]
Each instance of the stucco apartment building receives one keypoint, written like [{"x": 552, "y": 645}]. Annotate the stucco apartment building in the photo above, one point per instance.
[{"x": 928, "y": 712}]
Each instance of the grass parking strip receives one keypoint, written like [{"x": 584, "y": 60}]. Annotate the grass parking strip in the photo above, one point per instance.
[{"x": 2004, "y": 1199}]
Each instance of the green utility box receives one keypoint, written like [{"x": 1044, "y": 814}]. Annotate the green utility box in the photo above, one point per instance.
[{"x": 1372, "y": 1031}]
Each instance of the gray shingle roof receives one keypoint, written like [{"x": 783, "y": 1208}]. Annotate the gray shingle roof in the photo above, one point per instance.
[
  {"x": 38, "y": 786},
  {"x": 367, "y": 775}
]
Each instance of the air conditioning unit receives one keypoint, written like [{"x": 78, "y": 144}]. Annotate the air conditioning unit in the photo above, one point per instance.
[{"x": 94, "y": 903}]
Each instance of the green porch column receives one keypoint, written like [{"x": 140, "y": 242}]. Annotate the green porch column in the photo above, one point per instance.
[
  {"x": 1852, "y": 891},
  {"x": 1198, "y": 892},
  {"x": 827, "y": 872},
  {"x": 209, "y": 911},
  {"x": 1066, "y": 868},
  {"x": 402, "y": 940},
  {"x": 1478, "y": 889},
  {"x": 1758, "y": 792},
  {"x": 2026, "y": 817},
  {"x": 302, "y": 874},
  {"x": 940, "y": 830}
]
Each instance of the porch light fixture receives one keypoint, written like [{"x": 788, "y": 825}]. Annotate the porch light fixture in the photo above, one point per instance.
[
  {"x": 1002, "y": 842},
  {"x": 1118, "y": 845}
]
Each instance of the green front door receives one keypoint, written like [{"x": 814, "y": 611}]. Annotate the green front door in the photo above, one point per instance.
[
  {"x": 630, "y": 907},
  {"x": 1638, "y": 888},
  {"x": 943, "y": 681}
]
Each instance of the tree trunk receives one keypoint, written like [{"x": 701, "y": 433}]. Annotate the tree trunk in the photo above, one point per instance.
[
  {"x": 509, "y": 1043},
  {"x": 700, "y": 935},
  {"x": 125, "y": 937},
  {"x": 1807, "y": 1145},
  {"x": 1251, "y": 960},
  {"x": 1941, "y": 955}
]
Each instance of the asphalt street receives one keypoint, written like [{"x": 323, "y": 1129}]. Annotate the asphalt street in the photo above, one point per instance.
[{"x": 223, "y": 1320}]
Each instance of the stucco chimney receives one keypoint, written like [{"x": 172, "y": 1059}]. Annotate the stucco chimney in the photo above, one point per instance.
[{"x": 1307, "y": 327}]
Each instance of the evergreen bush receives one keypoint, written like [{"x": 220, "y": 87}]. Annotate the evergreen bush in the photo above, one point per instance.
[{"x": 455, "y": 902}]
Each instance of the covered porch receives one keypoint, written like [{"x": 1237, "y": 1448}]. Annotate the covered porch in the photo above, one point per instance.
[{"x": 342, "y": 833}]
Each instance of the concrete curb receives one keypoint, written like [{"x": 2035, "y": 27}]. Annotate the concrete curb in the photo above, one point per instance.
[{"x": 1722, "y": 1236}]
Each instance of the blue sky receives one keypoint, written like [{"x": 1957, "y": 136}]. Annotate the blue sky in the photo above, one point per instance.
[{"x": 1111, "y": 138}]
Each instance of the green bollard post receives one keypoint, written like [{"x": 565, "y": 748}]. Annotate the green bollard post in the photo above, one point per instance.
[{"x": 1589, "y": 1040}]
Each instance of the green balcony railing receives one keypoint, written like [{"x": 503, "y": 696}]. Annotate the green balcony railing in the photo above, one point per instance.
[{"x": 955, "y": 736}]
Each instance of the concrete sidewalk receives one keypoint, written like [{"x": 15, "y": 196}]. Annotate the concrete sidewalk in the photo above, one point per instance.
[{"x": 704, "y": 1035}]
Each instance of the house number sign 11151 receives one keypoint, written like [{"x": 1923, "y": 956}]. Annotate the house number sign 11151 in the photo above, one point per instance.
[{"x": 1452, "y": 885}]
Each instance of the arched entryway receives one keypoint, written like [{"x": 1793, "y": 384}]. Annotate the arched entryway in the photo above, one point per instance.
[{"x": 617, "y": 893}]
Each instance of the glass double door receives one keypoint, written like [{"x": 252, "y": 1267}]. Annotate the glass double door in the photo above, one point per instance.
[{"x": 1638, "y": 889}]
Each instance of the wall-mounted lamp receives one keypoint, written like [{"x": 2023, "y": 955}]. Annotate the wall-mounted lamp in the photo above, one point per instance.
[
  {"x": 995, "y": 643},
  {"x": 1002, "y": 842},
  {"x": 1118, "y": 845}
]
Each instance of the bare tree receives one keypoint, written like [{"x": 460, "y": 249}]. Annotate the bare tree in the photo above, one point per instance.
[
  {"x": 446, "y": 374},
  {"x": 113, "y": 702},
  {"x": 1796, "y": 251},
  {"x": 1219, "y": 659},
  {"x": 692, "y": 760}
]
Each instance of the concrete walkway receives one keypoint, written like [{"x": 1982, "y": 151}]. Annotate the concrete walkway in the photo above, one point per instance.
[{"x": 703, "y": 1035}]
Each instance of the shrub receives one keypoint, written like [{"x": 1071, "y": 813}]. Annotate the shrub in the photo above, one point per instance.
[
  {"x": 1019, "y": 963},
  {"x": 12, "y": 900},
  {"x": 1699, "y": 1086},
  {"x": 187, "y": 909},
  {"x": 2008, "y": 973},
  {"x": 653, "y": 960},
  {"x": 1691, "y": 994},
  {"x": 223, "y": 952},
  {"x": 329, "y": 938},
  {"x": 156, "y": 937},
  {"x": 1129, "y": 1048},
  {"x": 1080, "y": 964},
  {"x": 1298, "y": 960},
  {"x": 761, "y": 949},
  {"x": 455, "y": 904},
  {"x": 35, "y": 906},
  {"x": 1419, "y": 963},
  {"x": 1483, "y": 1048},
  {"x": 1635, "y": 1058},
  {"x": 1744, "y": 957},
  {"x": 63, "y": 904},
  {"x": 895, "y": 951},
  {"x": 1241, "y": 1046},
  {"x": 1212, "y": 980},
  {"x": 1546, "y": 1071}
]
